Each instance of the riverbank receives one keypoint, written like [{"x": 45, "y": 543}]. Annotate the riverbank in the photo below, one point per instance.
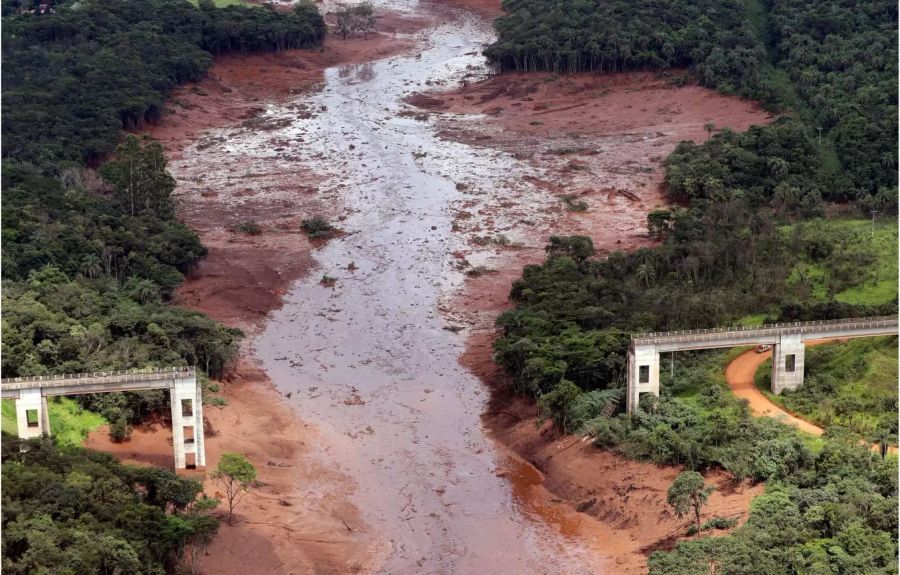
[
  {"x": 299, "y": 518},
  {"x": 599, "y": 140}
]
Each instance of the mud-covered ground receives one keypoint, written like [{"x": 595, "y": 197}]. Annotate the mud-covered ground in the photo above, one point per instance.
[
  {"x": 350, "y": 398},
  {"x": 600, "y": 140}
]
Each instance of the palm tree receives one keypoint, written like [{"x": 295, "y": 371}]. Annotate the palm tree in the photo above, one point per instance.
[
  {"x": 646, "y": 274},
  {"x": 883, "y": 439},
  {"x": 145, "y": 291},
  {"x": 91, "y": 266}
]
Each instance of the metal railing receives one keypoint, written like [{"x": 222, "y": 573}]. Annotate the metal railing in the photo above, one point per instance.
[
  {"x": 97, "y": 377},
  {"x": 744, "y": 332}
]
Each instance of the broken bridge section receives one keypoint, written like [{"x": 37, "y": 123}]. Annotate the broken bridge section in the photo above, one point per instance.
[
  {"x": 787, "y": 339},
  {"x": 32, "y": 415}
]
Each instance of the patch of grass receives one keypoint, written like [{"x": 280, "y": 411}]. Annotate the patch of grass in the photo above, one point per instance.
[
  {"x": 752, "y": 320},
  {"x": 853, "y": 384},
  {"x": 845, "y": 259},
  {"x": 8, "y": 421},
  {"x": 69, "y": 422}
]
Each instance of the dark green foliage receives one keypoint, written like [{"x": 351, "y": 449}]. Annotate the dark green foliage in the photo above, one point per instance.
[
  {"x": 56, "y": 325},
  {"x": 773, "y": 165},
  {"x": 713, "y": 38},
  {"x": 842, "y": 58},
  {"x": 835, "y": 513},
  {"x": 71, "y": 511},
  {"x": 317, "y": 228},
  {"x": 833, "y": 64},
  {"x": 73, "y": 79},
  {"x": 64, "y": 223}
]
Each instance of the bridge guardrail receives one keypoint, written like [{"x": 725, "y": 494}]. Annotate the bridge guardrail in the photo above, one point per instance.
[
  {"x": 700, "y": 335},
  {"x": 122, "y": 376}
]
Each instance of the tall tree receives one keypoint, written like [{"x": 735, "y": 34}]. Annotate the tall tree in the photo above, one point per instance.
[{"x": 689, "y": 493}]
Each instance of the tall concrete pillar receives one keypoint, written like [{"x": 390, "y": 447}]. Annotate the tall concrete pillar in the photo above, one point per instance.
[
  {"x": 31, "y": 414},
  {"x": 787, "y": 363},
  {"x": 45, "y": 416},
  {"x": 177, "y": 428},
  {"x": 187, "y": 422},
  {"x": 643, "y": 374}
]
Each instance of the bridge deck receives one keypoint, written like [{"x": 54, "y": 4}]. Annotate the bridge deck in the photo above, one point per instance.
[
  {"x": 735, "y": 336},
  {"x": 130, "y": 380}
]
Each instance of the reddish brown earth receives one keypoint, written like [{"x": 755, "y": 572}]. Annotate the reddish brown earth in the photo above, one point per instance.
[
  {"x": 740, "y": 374},
  {"x": 299, "y": 518},
  {"x": 486, "y": 8},
  {"x": 600, "y": 139}
]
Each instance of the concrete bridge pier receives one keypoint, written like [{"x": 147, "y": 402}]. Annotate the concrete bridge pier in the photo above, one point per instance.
[
  {"x": 788, "y": 358},
  {"x": 32, "y": 415},
  {"x": 187, "y": 424},
  {"x": 643, "y": 374}
]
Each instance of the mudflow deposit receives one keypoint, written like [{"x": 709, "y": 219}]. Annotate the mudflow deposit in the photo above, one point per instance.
[{"x": 364, "y": 397}]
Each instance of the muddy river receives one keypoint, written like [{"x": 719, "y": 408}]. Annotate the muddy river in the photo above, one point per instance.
[{"x": 370, "y": 360}]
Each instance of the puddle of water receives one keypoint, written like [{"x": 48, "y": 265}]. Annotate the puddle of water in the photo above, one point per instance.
[{"x": 369, "y": 361}]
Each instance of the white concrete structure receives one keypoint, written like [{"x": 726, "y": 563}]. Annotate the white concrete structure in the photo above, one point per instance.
[
  {"x": 30, "y": 395},
  {"x": 787, "y": 340}
]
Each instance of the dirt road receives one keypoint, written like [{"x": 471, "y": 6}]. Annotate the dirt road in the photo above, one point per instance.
[{"x": 739, "y": 375}]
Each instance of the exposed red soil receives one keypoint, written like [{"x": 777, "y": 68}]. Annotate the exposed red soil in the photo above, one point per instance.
[
  {"x": 486, "y": 8},
  {"x": 299, "y": 518},
  {"x": 601, "y": 140}
]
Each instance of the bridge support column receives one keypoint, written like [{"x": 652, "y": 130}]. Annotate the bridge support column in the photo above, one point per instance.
[
  {"x": 643, "y": 374},
  {"x": 187, "y": 423},
  {"x": 787, "y": 363},
  {"x": 32, "y": 416}
]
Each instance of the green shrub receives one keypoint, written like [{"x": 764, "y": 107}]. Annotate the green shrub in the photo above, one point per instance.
[{"x": 317, "y": 228}]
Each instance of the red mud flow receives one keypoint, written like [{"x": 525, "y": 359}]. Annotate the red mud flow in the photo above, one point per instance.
[
  {"x": 600, "y": 140},
  {"x": 299, "y": 519}
]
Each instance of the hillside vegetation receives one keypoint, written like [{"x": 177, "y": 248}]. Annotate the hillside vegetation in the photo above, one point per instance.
[
  {"x": 748, "y": 241},
  {"x": 832, "y": 64},
  {"x": 69, "y": 511},
  {"x": 92, "y": 251},
  {"x": 853, "y": 384}
]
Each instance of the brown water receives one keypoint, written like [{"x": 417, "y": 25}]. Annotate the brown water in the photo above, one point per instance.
[{"x": 369, "y": 360}]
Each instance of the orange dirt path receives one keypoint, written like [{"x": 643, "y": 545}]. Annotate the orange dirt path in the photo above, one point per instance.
[{"x": 739, "y": 375}]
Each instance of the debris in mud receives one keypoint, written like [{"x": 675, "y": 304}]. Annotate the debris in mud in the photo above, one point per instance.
[
  {"x": 480, "y": 271},
  {"x": 454, "y": 329},
  {"x": 266, "y": 123},
  {"x": 355, "y": 398}
]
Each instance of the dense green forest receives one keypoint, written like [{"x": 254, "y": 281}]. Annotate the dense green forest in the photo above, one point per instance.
[
  {"x": 70, "y": 511},
  {"x": 832, "y": 64},
  {"x": 91, "y": 254}
]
